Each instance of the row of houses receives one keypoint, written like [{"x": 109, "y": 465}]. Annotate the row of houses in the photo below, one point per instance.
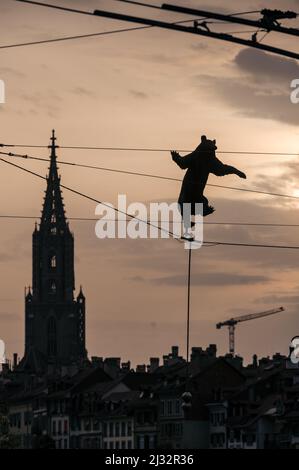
[{"x": 220, "y": 404}]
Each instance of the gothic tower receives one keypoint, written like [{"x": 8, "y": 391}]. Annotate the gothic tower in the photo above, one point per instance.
[{"x": 54, "y": 319}]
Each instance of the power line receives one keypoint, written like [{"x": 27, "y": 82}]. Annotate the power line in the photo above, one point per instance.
[
  {"x": 254, "y": 245},
  {"x": 188, "y": 308},
  {"x": 148, "y": 175},
  {"x": 94, "y": 219},
  {"x": 79, "y": 193},
  {"x": 208, "y": 242},
  {"x": 261, "y": 23},
  {"x": 149, "y": 149},
  {"x": 56, "y": 7},
  {"x": 101, "y": 33},
  {"x": 182, "y": 28},
  {"x": 155, "y": 7},
  {"x": 82, "y": 36},
  {"x": 69, "y": 38},
  {"x": 205, "y": 32}
]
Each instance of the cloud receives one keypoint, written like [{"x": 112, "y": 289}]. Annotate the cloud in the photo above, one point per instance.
[
  {"x": 138, "y": 94},
  {"x": 212, "y": 279},
  {"x": 80, "y": 90},
  {"x": 260, "y": 90},
  {"x": 261, "y": 66},
  {"x": 250, "y": 100},
  {"x": 291, "y": 297}
]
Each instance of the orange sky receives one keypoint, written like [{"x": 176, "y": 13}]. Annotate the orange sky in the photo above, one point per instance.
[{"x": 152, "y": 88}]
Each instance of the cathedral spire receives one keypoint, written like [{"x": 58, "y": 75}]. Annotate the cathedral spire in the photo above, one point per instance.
[
  {"x": 54, "y": 319},
  {"x": 53, "y": 215}
]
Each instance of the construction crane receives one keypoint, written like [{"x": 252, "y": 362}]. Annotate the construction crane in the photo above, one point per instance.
[{"x": 233, "y": 322}]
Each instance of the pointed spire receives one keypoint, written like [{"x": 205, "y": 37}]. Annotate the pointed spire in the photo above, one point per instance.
[
  {"x": 28, "y": 293},
  {"x": 53, "y": 146},
  {"x": 81, "y": 295},
  {"x": 53, "y": 215}
]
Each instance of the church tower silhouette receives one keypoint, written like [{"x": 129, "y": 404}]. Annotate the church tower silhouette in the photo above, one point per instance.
[{"x": 54, "y": 319}]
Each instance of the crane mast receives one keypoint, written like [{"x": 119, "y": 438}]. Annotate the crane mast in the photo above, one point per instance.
[{"x": 232, "y": 322}]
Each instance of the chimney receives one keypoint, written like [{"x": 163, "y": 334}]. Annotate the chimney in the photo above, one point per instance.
[
  {"x": 15, "y": 361},
  {"x": 126, "y": 366},
  {"x": 113, "y": 362},
  {"x": 174, "y": 351},
  {"x": 5, "y": 368},
  {"x": 212, "y": 350},
  {"x": 154, "y": 364},
  {"x": 141, "y": 368},
  {"x": 165, "y": 360},
  {"x": 96, "y": 361}
]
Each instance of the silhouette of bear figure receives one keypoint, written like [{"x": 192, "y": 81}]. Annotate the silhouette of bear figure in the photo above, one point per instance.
[{"x": 199, "y": 164}]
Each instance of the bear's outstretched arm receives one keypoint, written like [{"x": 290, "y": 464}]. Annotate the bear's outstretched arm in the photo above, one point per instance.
[
  {"x": 182, "y": 162},
  {"x": 220, "y": 169}
]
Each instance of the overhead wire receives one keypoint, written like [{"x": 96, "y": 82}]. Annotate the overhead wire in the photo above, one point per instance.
[
  {"x": 208, "y": 242},
  {"x": 82, "y": 36},
  {"x": 93, "y": 219},
  {"x": 148, "y": 149},
  {"x": 148, "y": 175}
]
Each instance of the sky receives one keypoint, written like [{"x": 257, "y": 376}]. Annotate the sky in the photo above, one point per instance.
[{"x": 159, "y": 89}]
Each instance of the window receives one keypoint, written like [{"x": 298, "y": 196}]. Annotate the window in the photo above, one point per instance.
[
  {"x": 27, "y": 418},
  {"x": 177, "y": 407},
  {"x": 111, "y": 430},
  {"x": 123, "y": 429},
  {"x": 53, "y": 262},
  {"x": 169, "y": 407},
  {"x": 54, "y": 428},
  {"x": 53, "y": 287},
  {"x": 53, "y": 219},
  {"x": 53, "y": 231},
  {"x": 129, "y": 429}
]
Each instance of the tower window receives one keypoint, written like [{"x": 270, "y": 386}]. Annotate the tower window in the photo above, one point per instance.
[
  {"x": 53, "y": 287},
  {"x": 53, "y": 231},
  {"x": 53, "y": 219},
  {"x": 53, "y": 262}
]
